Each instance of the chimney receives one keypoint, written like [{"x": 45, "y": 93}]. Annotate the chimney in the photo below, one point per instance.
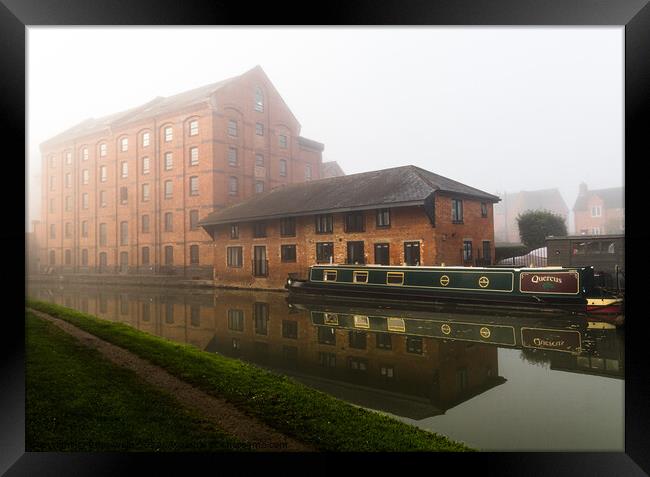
[{"x": 583, "y": 189}]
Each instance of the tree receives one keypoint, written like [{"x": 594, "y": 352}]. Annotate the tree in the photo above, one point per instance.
[{"x": 536, "y": 225}]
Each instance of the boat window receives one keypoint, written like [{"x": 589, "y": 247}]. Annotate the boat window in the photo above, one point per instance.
[
  {"x": 394, "y": 278},
  {"x": 329, "y": 275},
  {"x": 361, "y": 321},
  {"x": 360, "y": 277},
  {"x": 396, "y": 324}
]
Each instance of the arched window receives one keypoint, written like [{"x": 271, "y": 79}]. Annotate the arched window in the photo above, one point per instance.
[
  {"x": 259, "y": 99},
  {"x": 52, "y": 257}
]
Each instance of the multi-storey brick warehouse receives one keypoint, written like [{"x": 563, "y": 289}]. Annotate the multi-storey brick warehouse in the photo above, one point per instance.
[
  {"x": 399, "y": 216},
  {"x": 124, "y": 193}
]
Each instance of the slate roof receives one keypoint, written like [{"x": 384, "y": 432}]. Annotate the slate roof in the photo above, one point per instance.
[
  {"x": 613, "y": 198},
  {"x": 398, "y": 186}
]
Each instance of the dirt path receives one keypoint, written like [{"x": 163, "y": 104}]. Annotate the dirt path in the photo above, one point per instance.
[{"x": 219, "y": 411}]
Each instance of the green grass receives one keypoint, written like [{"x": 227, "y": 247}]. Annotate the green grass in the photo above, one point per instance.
[
  {"x": 76, "y": 400},
  {"x": 308, "y": 415}
]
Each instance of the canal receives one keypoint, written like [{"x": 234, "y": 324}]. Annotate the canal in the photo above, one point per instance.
[{"x": 496, "y": 382}]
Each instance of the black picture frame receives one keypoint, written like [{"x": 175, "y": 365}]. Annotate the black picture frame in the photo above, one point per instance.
[{"x": 633, "y": 15}]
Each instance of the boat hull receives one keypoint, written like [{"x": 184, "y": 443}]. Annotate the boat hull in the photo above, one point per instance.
[{"x": 335, "y": 293}]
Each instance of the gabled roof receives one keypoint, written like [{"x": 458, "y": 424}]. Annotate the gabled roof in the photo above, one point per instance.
[
  {"x": 156, "y": 106},
  {"x": 548, "y": 199},
  {"x": 395, "y": 187},
  {"x": 613, "y": 198}
]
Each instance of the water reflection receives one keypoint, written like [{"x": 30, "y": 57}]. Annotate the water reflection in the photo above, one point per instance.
[{"x": 412, "y": 364}]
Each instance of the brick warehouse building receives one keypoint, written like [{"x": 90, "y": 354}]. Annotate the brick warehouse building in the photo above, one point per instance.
[
  {"x": 124, "y": 193},
  {"x": 399, "y": 216}
]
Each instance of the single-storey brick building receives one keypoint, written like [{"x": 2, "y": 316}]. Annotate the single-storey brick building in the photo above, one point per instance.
[{"x": 399, "y": 216}]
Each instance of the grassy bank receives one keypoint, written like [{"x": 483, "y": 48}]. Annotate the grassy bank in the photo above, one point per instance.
[
  {"x": 78, "y": 401},
  {"x": 290, "y": 407}
]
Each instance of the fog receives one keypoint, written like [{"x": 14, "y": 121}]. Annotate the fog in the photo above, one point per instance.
[{"x": 499, "y": 109}]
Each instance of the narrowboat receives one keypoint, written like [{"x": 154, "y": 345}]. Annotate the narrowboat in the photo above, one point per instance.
[{"x": 541, "y": 289}]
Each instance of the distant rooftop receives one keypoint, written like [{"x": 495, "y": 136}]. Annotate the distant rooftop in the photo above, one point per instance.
[
  {"x": 331, "y": 169},
  {"x": 613, "y": 198},
  {"x": 395, "y": 187}
]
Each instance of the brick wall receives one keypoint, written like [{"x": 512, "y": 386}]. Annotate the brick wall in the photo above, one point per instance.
[{"x": 440, "y": 244}]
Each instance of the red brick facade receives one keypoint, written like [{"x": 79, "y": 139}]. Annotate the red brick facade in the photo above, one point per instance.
[
  {"x": 77, "y": 200},
  {"x": 442, "y": 243}
]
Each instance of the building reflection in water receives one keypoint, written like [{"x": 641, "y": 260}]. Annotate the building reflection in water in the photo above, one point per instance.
[{"x": 411, "y": 364}]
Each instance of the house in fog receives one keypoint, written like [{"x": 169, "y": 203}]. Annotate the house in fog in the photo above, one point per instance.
[
  {"x": 599, "y": 211},
  {"x": 506, "y": 229}
]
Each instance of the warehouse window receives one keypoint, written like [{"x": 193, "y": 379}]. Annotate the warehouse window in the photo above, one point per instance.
[
  {"x": 85, "y": 176},
  {"x": 233, "y": 186},
  {"x": 194, "y": 156},
  {"x": 232, "y": 128},
  {"x": 124, "y": 144},
  {"x": 194, "y": 219},
  {"x": 169, "y": 134},
  {"x": 169, "y": 189},
  {"x": 145, "y": 224},
  {"x": 145, "y": 139},
  {"x": 125, "y": 170},
  {"x": 234, "y": 256},
  {"x": 124, "y": 233},
  {"x": 169, "y": 161},
  {"x": 283, "y": 167},
  {"x": 457, "y": 211},
  {"x": 324, "y": 252},
  {"x": 145, "y": 192},
  {"x": 102, "y": 234},
  {"x": 124, "y": 195},
  {"x": 194, "y": 254},
  {"x": 232, "y": 156},
  {"x": 194, "y": 185},
  {"x": 169, "y": 222},
  {"x": 145, "y": 165},
  {"x": 103, "y": 150},
  {"x": 324, "y": 224},
  {"x": 259, "y": 100},
  {"x": 169, "y": 255},
  {"x": 288, "y": 253},
  {"x": 288, "y": 227},
  {"x": 194, "y": 128}
]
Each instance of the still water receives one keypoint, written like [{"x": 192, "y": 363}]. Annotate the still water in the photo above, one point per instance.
[{"x": 495, "y": 382}]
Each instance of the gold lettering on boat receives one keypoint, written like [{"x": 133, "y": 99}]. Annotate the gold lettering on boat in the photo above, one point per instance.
[
  {"x": 485, "y": 332},
  {"x": 446, "y": 329},
  {"x": 483, "y": 281},
  {"x": 545, "y": 278},
  {"x": 444, "y": 280}
]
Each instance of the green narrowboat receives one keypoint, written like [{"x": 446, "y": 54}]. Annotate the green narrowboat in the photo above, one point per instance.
[{"x": 542, "y": 289}]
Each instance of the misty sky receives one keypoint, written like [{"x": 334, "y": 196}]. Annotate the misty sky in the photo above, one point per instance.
[{"x": 495, "y": 108}]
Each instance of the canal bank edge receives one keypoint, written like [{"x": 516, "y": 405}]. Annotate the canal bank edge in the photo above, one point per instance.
[{"x": 307, "y": 415}]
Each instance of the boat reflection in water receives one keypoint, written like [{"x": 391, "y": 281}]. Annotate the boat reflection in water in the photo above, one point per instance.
[{"x": 413, "y": 364}]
